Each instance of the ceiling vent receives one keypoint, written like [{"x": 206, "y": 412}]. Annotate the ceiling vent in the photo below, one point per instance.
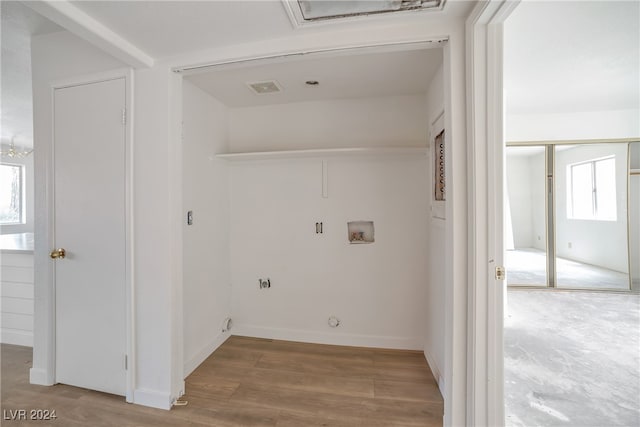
[
  {"x": 313, "y": 11},
  {"x": 262, "y": 88}
]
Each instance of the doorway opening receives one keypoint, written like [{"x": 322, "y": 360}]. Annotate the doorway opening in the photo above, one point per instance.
[
  {"x": 572, "y": 320},
  {"x": 299, "y": 140}
]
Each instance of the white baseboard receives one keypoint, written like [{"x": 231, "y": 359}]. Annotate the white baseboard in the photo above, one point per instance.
[
  {"x": 16, "y": 337},
  {"x": 435, "y": 370},
  {"x": 39, "y": 377},
  {"x": 195, "y": 361},
  {"x": 152, "y": 398},
  {"x": 375, "y": 341}
]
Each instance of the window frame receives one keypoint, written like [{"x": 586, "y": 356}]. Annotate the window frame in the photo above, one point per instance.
[
  {"x": 22, "y": 188},
  {"x": 571, "y": 214}
]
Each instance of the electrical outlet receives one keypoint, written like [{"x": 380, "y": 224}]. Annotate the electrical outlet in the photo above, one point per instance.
[
  {"x": 264, "y": 284},
  {"x": 569, "y": 245}
]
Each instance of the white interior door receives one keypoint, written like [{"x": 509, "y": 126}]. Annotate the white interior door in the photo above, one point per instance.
[{"x": 89, "y": 203}]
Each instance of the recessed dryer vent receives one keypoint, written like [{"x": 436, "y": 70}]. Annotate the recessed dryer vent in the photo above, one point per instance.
[{"x": 360, "y": 232}]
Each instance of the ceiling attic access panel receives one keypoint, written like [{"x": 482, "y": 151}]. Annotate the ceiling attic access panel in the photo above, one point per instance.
[{"x": 310, "y": 12}]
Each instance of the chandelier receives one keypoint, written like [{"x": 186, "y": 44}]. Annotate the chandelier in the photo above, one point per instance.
[{"x": 15, "y": 153}]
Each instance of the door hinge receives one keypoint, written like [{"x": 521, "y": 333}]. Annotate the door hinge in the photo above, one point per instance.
[
  {"x": 124, "y": 116},
  {"x": 501, "y": 273},
  {"x": 126, "y": 362}
]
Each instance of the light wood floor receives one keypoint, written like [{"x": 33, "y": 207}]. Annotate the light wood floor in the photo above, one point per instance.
[{"x": 254, "y": 382}]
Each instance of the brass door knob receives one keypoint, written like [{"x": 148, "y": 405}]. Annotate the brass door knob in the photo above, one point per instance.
[{"x": 58, "y": 253}]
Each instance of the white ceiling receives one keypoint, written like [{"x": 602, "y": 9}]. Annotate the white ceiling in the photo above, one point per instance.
[
  {"x": 165, "y": 29},
  {"x": 18, "y": 24},
  {"x": 169, "y": 28},
  {"x": 572, "y": 56},
  {"x": 390, "y": 73},
  {"x": 559, "y": 56}
]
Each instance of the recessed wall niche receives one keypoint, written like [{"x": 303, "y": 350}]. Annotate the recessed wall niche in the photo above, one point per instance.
[{"x": 360, "y": 232}]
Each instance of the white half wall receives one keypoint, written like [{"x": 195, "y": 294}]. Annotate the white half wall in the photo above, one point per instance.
[
  {"x": 377, "y": 290},
  {"x": 16, "y": 299},
  {"x": 206, "y": 275},
  {"x": 337, "y": 123}
]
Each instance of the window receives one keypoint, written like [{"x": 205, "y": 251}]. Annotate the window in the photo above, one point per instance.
[
  {"x": 591, "y": 190},
  {"x": 11, "y": 194}
]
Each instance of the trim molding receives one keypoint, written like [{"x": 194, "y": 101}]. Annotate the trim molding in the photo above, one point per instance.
[
  {"x": 485, "y": 376},
  {"x": 355, "y": 340},
  {"x": 152, "y": 398},
  {"x": 191, "y": 364},
  {"x": 435, "y": 371},
  {"x": 39, "y": 377},
  {"x": 572, "y": 141}
]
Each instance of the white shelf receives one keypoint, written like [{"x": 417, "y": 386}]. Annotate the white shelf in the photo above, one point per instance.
[{"x": 331, "y": 152}]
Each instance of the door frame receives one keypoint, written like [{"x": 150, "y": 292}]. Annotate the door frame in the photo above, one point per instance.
[
  {"x": 44, "y": 353},
  {"x": 486, "y": 294}
]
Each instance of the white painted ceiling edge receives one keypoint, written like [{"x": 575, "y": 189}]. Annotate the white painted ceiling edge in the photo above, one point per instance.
[
  {"x": 379, "y": 80},
  {"x": 130, "y": 30},
  {"x": 71, "y": 17}
]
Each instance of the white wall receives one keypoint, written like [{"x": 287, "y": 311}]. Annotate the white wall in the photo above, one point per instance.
[
  {"x": 434, "y": 343},
  {"x": 526, "y": 192},
  {"x": 601, "y": 243},
  {"x": 206, "y": 275},
  {"x": 572, "y": 126},
  {"x": 158, "y": 219},
  {"x": 365, "y": 122},
  {"x": 377, "y": 290},
  {"x": 519, "y": 193}
]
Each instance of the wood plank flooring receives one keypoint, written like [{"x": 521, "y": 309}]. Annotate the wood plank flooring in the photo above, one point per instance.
[{"x": 253, "y": 382}]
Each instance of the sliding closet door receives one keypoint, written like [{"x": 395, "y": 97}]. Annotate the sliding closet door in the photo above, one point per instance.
[
  {"x": 525, "y": 216},
  {"x": 591, "y": 216},
  {"x": 634, "y": 215}
]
